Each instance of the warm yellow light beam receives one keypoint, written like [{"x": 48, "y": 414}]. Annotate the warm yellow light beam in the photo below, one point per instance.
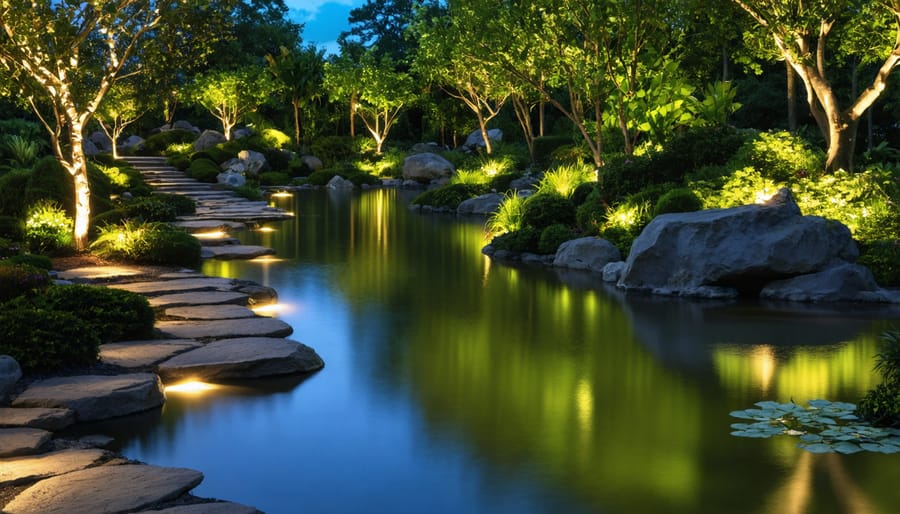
[
  {"x": 216, "y": 234},
  {"x": 282, "y": 194},
  {"x": 272, "y": 309},
  {"x": 265, "y": 229},
  {"x": 190, "y": 387}
]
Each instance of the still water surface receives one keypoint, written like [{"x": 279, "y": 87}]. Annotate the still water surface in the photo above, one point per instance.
[{"x": 454, "y": 384}]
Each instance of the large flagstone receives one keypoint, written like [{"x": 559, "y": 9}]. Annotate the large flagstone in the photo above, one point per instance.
[
  {"x": 225, "y": 328},
  {"x": 247, "y": 357},
  {"x": 95, "y": 397},
  {"x": 22, "y": 470}
]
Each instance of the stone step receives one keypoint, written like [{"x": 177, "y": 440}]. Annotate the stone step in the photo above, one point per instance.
[
  {"x": 229, "y": 252},
  {"x": 110, "y": 488},
  {"x": 95, "y": 397},
  {"x": 15, "y": 442},
  {"x": 143, "y": 354},
  {"x": 225, "y": 328},
  {"x": 25, "y": 470}
]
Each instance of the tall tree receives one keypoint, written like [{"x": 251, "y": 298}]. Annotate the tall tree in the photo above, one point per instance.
[
  {"x": 300, "y": 73},
  {"x": 381, "y": 25},
  {"x": 65, "y": 57},
  {"x": 231, "y": 95},
  {"x": 800, "y": 32},
  {"x": 121, "y": 107}
]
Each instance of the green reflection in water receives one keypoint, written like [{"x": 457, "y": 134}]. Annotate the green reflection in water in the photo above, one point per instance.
[{"x": 622, "y": 405}]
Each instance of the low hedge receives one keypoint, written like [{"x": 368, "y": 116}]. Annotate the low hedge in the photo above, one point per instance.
[{"x": 47, "y": 340}]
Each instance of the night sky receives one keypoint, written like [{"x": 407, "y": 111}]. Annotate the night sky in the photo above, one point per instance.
[{"x": 323, "y": 19}]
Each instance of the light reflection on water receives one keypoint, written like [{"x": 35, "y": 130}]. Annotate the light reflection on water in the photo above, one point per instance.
[{"x": 455, "y": 384}]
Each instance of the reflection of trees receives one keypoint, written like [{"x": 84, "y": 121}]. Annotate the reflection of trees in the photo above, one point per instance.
[{"x": 795, "y": 495}]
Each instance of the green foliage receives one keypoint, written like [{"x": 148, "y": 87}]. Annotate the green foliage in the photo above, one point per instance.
[
  {"x": 563, "y": 179},
  {"x": 545, "y": 209},
  {"x": 361, "y": 179},
  {"x": 18, "y": 279},
  {"x": 150, "y": 242},
  {"x": 274, "y": 178},
  {"x": 469, "y": 177},
  {"x": 881, "y": 405},
  {"x": 150, "y": 208},
  {"x": 333, "y": 149},
  {"x": 49, "y": 181},
  {"x": 624, "y": 175},
  {"x": 823, "y": 427},
  {"x": 883, "y": 258},
  {"x": 545, "y": 146},
  {"x": 20, "y": 152},
  {"x": 204, "y": 170},
  {"x": 250, "y": 191},
  {"x": 502, "y": 181},
  {"x": 698, "y": 147},
  {"x": 229, "y": 95},
  {"x": 553, "y": 236},
  {"x": 12, "y": 185},
  {"x": 779, "y": 156},
  {"x": 183, "y": 205},
  {"x": 8, "y": 248},
  {"x": 621, "y": 238},
  {"x": 113, "y": 314},
  {"x": 46, "y": 340},
  {"x": 449, "y": 196},
  {"x": 30, "y": 259},
  {"x": 182, "y": 162},
  {"x": 583, "y": 191},
  {"x": 525, "y": 239},
  {"x": 680, "y": 199},
  {"x": 321, "y": 177},
  {"x": 274, "y": 138},
  {"x": 279, "y": 160},
  {"x": 48, "y": 230},
  {"x": 590, "y": 214},
  {"x": 508, "y": 217},
  {"x": 744, "y": 186},
  {"x": 158, "y": 143},
  {"x": 717, "y": 104},
  {"x": 12, "y": 227}
]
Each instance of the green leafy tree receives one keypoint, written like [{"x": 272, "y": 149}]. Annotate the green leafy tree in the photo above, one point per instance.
[
  {"x": 230, "y": 95},
  {"x": 64, "y": 57},
  {"x": 376, "y": 89},
  {"x": 300, "y": 73},
  {"x": 381, "y": 26},
  {"x": 121, "y": 107},
  {"x": 800, "y": 32}
]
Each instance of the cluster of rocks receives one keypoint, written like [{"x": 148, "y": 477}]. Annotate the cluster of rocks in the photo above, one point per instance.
[{"x": 770, "y": 251}]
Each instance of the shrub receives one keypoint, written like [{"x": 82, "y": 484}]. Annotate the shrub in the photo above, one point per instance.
[
  {"x": 48, "y": 230},
  {"x": 204, "y": 170},
  {"x": 183, "y": 205},
  {"x": 545, "y": 209},
  {"x": 8, "y": 248},
  {"x": 508, "y": 217},
  {"x": 114, "y": 314},
  {"x": 250, "y": 191},
  {"x": 883, "y": 258},
  {"x": 274, "y": 138},
  {"x": 49, "y": 181},
  {"x": 502, "y": 181},
  {"x": 182, "y": 162},
  {"x": 12, "y": 227},
  {"x": 590, "y": 214},
  {"x": 563, "y": 180},
  {"x": 625, "y": 175},
  {"x": 701, "y": 146},
  {"x": 582, "y": 192},
  {"x": 30, "y": 259},
  {"x": 20, "y": 151},
  {"x": 678, "y": 200},
  {"x": 150, "y": 208},
  {"x": 111, "y": 217},
  {"x": 553, "y": 236},
  {"x": 12, "y": 186},
  {"x": 360, "y": 179},
  {"x": 321, "y": 177},
  {"x": 21, "y": 280},
  {"x": 159, "y": 142},
  {"x": 525, "y": 239},
  {"x": 221, "y": 153},
  {"x": 333, "y": 149},
  {"x": 450, "y": 195},
  {"x": 546, "y": 145},
  {"x": 44, "y": 340},
  {"x": 151, "y": 242},
  {"x": 279, "y": 160},
  {"x": 620, "y": 237},
  {"x": 881, "y": 406},
  {"x": 779, "y": 156},
  {"x": 274, "y": 178}
]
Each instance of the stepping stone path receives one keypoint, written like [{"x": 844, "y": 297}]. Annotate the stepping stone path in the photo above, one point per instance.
[
  {"x": 216, "y": 209},
  {"x": 213, "y": 335}
]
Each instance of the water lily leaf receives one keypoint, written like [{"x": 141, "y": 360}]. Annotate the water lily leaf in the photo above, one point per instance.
[
  {"x": 811, "y": 438},
  {"x": 751, "y": 433},
  {"x": 827, "y": 421},
  {"x": 844, "y": 406},
  {"x": 741, "y": 414},
  {"x": 847, "y": 448},
  {"x": 773, "y": 405},
  {"x": 819, "y": 404},
  {"x": 818, "y": 448}
]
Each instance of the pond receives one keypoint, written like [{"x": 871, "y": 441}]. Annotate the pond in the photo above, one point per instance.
[{"x": 454, "y": 384}]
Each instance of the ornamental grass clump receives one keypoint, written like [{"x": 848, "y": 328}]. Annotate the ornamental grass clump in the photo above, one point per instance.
[
  {"x": 152, "y": 243},
  {"x": 563, "y": 180},
  {"x": 48, "y": 230}
]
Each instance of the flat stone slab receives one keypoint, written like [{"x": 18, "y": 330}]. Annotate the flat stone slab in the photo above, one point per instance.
[
  {"x": 177, "y": 285},
  {"x": 105, "y": 489},
  {"x": 225, "y": 328},
  {"x": 209, "y": 224},
  {"x": 141, "y": 354},
  {"x": 198, "y": 298},
  {"x": 209, "y": 508},
  {"x": 98, "y": 272},
  {"x": 210, "y": 312},
  {"x": 95, "y": 397},
  {"x": 22, "y": 441},
  {"x": 36, "y": 417},
  {"x": 248, "y": 357},
  {"x": 235, "y": 252},
  {"x": 24, "y": 470}
]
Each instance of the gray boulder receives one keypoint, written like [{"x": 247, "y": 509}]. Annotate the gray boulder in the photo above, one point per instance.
[
  {"x": 100, "y": 140},
  {"x": 586, "y": 253},
  {"x": 10, "y": 373},
  {"x": 185, "y": 125},
  {"x": 843, "y": 282},
  {"x": 739, "y": 249},
  {"x": 208, "y": 139},
  {"x": 241, "y": 133},
  {"x": 426, "y": 167},
  {"x": 475, "y": 139},
  {"x": 231, "y": 178},
  {"x": 255, "y": 162},
  {"x": 612, "y": 272},
  {"x": 339, "y": 182},
  {"x": 426, "y": 148},
  {"x": 312, "y": 162},
  {"x": 525, "y": 182},
  {"x": 482, "y": 205},
  {"x": 132, "y": 143}
]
